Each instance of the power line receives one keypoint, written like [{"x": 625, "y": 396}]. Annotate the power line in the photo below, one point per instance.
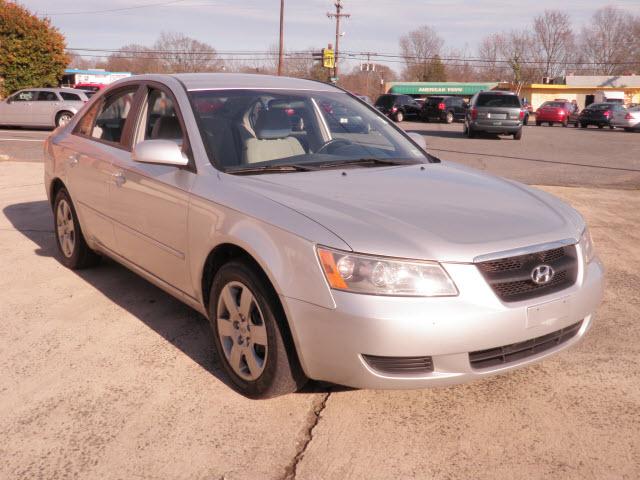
[{"x": 111, "y": 10}]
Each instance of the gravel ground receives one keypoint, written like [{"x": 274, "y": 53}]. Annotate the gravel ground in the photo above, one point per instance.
[{"x": 104, "y": 376}]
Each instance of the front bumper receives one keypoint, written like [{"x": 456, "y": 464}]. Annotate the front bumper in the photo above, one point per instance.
[{"x": 331, "y": 342}]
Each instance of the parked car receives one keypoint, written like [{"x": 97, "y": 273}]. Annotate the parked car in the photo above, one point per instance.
[
  {"x": 398, "y": 107},
  {"x": 494, "y": 111},
  {"x": 599, "y": 114},
  {"x": 41, "y": 107},
  {"x": 353, "y": 258},
  {"x": 90, "y": 88},
  {"x": 364, "y": 98},
  {"x": 628, "y": 118},
  {"x": 555, "y": 112},
  {"x": 443, "y": 109}
]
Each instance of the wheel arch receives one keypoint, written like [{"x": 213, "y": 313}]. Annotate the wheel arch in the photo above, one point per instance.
[
  {"x": 54, "y": 187},
  {"x": 226, "y": 252}
]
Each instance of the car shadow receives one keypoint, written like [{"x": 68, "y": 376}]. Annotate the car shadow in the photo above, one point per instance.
[
  {"x": 177, "y": 323},
  {"x": 456, "y": 134}
]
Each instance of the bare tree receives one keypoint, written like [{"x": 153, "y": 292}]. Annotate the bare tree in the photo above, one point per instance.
[
  {"x": 515, "y": 49},
  {"x": 368, "y": 82},
  {"x": 135, "y": 58},
  {"x": 555, "y": 41},
  {"x": 607, "y": 42},
  {"x": 418, "y": 48},
  {"x": 181, "y": 53},
  {"x": 489, "y": 52}
]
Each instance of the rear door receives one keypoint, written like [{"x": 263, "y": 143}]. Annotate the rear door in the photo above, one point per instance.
[
  {"x": 44, "y": 108},
  {"x": 498, "y": 109},
  {"x": 149, "y": 203},
  {"x": 99, "y": 143}
]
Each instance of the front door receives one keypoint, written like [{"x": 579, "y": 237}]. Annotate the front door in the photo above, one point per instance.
[
  {"x": 149, "y": 203},
  {"x": 17, "y": 109}
]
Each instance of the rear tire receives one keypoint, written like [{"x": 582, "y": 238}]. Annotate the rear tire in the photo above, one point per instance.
[
  {"x": 600, "y": 126},
  {"x": 538, "y": 123},
  {"x": 583, "y": 125},
  {"x": 74, "y": 251},
  {"x": 63, "y": 118},
  {"x": 399, "y": 117},
  {"x": 526, "y": 120},
  {"x": 517, "y": 135},
  {"x": 565, "y": 124},
  {"x": 449, "y": 117},
  {"x": 257, "y": 354}
]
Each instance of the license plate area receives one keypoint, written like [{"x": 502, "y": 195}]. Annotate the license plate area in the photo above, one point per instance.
[
  {"x": 548, "y": 313},
  {"x": 497, "y": 116}
]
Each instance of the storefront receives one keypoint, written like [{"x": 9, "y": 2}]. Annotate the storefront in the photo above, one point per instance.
[{"x": 422, "y": 89}]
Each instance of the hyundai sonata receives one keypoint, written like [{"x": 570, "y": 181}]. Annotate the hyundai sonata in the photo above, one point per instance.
[{"x": 319, "y": 239}]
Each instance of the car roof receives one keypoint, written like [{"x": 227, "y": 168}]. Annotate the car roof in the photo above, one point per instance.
[
  {"x": 223, "y": 81},
  {"x": 55, "y": 89}
]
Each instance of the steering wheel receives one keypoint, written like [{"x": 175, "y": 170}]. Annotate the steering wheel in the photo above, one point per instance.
[{"x": 334, "y": 144}]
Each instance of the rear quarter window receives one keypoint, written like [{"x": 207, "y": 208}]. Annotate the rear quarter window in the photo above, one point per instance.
[{"x": 70, "y": 97}]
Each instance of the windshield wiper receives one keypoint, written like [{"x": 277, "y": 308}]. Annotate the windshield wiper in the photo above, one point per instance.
[
  {"x": 285, "y": 168},
  {"x": 364, "y": 162}
]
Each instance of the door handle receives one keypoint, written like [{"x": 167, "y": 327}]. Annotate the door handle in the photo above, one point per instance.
[
  {"x": 73, "y": 160},
  {"x": 118, "y": 178}
]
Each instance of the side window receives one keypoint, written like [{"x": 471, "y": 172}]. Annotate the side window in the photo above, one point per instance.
[
  {"x": 161, "y": 119},
  {"x": 112, "y": 117},
  {"x": 71, "y": 97},
  {"x": 26, "y": 96},
  {"x": 85, "y": 124},
  {"x": 47, "y": 97}
]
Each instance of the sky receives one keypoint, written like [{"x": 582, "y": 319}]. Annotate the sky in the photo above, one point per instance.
[{"x": 228, "y": 25}]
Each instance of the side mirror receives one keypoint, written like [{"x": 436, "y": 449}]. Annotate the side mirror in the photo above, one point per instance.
[
  {"x": 159, "y": 152},
  {"x": 419, "y": 139}
]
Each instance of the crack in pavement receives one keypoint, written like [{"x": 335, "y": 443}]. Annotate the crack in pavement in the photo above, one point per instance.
[{"x": 313, "y": 417}]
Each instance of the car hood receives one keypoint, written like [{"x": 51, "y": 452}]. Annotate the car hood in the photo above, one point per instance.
[{"x": 443, "y": 212}]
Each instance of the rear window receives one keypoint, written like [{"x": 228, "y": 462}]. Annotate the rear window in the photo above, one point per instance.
[
  {"x": 72, "y": 97},
  {"x": 434, "y": 100},
  {"x": 599, "y": 106},
  {"x": 385, "y": 101},
  {"x": 495, "y": 100},
  {"x": 554, "y": 104}
]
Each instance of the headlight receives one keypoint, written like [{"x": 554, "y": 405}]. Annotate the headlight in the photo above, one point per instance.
[
  {"x": 587, "y": 246},
  {"x": 384, "y": 276}
]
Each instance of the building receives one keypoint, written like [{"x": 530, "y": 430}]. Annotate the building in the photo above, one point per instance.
[
  {"x": 73, "y": 76},
  {"x": 422, "y": 89},
  {"x": 583, "y": 89}
]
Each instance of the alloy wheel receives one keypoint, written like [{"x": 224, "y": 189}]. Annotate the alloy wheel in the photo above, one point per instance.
[
  {"x": 65, "y": 228},
  {"x": 242, "y": 331},
  {"x": 64, "y": 119}
]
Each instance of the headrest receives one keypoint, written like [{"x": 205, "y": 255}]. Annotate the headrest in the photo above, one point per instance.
[
  {"x": 167, "y": 128},
  {"x": 272, "y": 124}
]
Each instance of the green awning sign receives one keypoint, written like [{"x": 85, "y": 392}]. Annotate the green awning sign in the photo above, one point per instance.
[{"x": 441, "y": 88}]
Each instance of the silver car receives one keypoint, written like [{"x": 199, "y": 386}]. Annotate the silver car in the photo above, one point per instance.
[
  {"x": 41, "y": 107},
  {"x": 494, "y": 111},
  {"x": 319, "y": 239}
]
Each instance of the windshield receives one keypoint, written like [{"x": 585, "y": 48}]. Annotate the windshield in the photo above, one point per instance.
[
  {"x": 250, "y": 129},
  {"x": 599, "y": 106}
]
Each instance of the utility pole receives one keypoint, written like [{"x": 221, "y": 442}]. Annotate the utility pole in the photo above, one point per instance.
[
  {"x": 281, "y": 45},
  {"x": 338, "y": 15},
  {"x": 370, "y": 67}
]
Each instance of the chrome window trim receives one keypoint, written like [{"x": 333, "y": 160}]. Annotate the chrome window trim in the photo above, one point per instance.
[{"x": 541, "y": 247}]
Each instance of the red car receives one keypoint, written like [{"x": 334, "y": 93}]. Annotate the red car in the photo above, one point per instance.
[{"x": 555, "y": 112}]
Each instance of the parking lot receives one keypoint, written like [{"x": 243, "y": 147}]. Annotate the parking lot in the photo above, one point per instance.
[{"x": 105, "y": 376}]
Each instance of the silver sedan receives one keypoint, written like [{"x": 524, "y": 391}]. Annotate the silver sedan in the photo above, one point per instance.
[
  {"x": 318, "y": 238},
  {"x": 41, "y": 107}
]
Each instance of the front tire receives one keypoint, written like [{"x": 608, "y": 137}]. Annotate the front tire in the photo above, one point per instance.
[
  {"x": 517, "y": 135},
  {"x": 250, "y": 334},
  {"x": 74, "y": 251}
]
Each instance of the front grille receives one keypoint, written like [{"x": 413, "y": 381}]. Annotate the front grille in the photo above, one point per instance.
[
  {"x": 517, "y": 351},
  {"x": 400, "y": 365},
  {"x": 511, "y": 280}
]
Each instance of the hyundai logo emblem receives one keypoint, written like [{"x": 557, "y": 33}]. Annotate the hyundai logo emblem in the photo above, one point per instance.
[{"x": 542, "y": 274}]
